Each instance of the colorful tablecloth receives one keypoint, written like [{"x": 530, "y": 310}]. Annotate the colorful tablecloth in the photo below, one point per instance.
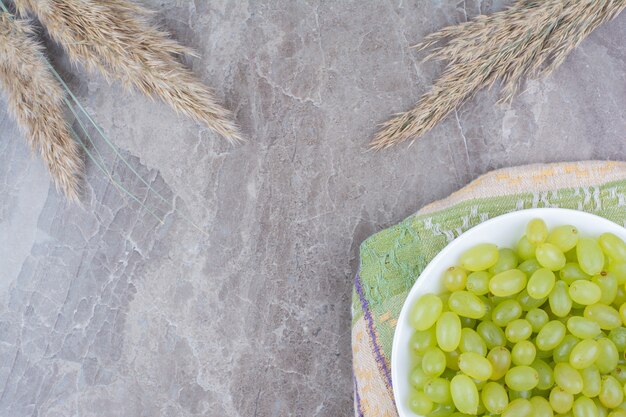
[{"x": 391, "y": 260}]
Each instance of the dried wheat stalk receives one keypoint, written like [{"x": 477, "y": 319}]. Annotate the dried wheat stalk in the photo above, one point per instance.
[
  {"x": 531, "y": 38},
  {"x": 115, "y": 37},
  {"x": 36, "y": 101}
]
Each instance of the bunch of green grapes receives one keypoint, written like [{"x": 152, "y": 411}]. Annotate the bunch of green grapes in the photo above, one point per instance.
[{"x": 538, "y": 330}]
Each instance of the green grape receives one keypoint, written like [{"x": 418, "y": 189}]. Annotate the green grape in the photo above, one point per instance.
[
  {"x": 522, "y": 378},
  {"x": 541, "y": 407},
  {"x": 613, "y": 246},
  {"x": 433, "y": 362},
  {"x": 584, "y": 354},
  {"x": 467, "y": 322},
  {"x": 584, "y": 292},
  {"x": 564, "y": 237},
  {"x": 523, "y": 353},
  {"x": 529, "y": 266},
  {"x": 448, "y": 331},
  {"x": 622, "y": 313},
  {"x": 495, "y": 300},
  {"x": 438, "y": 390},
  {"x": 536, "y": 231},
  {"x": 449, "y": 373},
  {"x": 571, "y": 272},
  {"x": 584, "y": 407},
  {"x": 481, "y": 407},
  {"x": 541, "y": 283},
  {"x": 608, "y": 357},
  {"x": 520, "y": 407},
  {"x": 550, "y": 335},
  {"x": 544, "y": 354},
  {"x": 479, "y": 386},
  {"x": 617, "y": 413},
  {"x": 549, "y": 256},
  {"x": 494, "y": 397},
  {"x": 500, "y": 359},
  {"x": 514, "y": 395},
  {"x": 571, "y": 256},
  {"x": 466, "y": 304},
  {"x": 491, "y": 334},
  {"x": 425, "y": 311},
  {"x": 419, "y": 403},
  {"x": 478, "y": 282},
  {"x": 607, "y": 282},
  {"x": 525, "y": 249},
  {"x": 561, "y": 400},
  {"x": 454, "y": 278},
  {"x": 464, "y": 394},
  {"x": 620, "y": 374},
  {"x": 489, "y": 304},
  {"x": 472, "y": 342},
  {"x": 562, "y": 352},
  {"x": 559, "y": 299},
  {"x": 418, "y": 377},
  {"x": 444, "y": 297},
  {"x": 611, "y": 392},
  {"x": 452, "y": 359},
  {"x": 568, "y": 378},
  {"x": 537, "y": 318},
  {"x": 620, "y": 298},
  {"x": 618, "y": 337},
  {"x": 476, "y": 366},
  {"x": 480, "y": 257},
  {"x": 527, "y": 302},
  {"x": 591, "y": 381},
  {"x": 583, "y": 328},
  {"x": 606, "y": 316},
  {"x": 602, "y": 411},
  {"x": 590, "y": 256},
  {"x": 507, "y": 283},
  {"x": 619, "y": 270},
  {"x": 507, "y": 259},
  {"x": 422, "y": 340},
  {"x": 442, "y": 410},
  {"x": 546, "y": 376},
  {"x": 518, "y": 330}
]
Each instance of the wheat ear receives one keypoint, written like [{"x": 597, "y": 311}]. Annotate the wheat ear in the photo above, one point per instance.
[
  {"x": 531, "y": 38},
  {"x": 36, "y": 101},
  {"x": 116, "y": 38}
]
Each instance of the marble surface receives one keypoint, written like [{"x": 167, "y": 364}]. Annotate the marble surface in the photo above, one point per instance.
[{"x": 234, "y": 298}]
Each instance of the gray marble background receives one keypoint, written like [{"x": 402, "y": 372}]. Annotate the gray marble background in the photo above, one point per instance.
[{"x": 105, "y": 311}]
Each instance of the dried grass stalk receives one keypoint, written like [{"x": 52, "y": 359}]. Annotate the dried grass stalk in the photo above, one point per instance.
[
  {"x": 36, "y": 101},
  {"x": 531, "y": 38},
  {"x": 115, "y": 37}
]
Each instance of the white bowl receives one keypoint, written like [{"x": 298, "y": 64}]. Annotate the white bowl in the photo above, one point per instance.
[{"x": 503, "y": 231}]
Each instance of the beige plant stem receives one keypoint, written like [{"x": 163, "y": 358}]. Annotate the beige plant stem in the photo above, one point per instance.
[
  {"x": 36, "y": 101},
  {"x": 115, "y": 37},
  {"x": 531, "y": 38}
]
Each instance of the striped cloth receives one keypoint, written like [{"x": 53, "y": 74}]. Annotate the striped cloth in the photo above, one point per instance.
[{"x": 391, "y": 260}]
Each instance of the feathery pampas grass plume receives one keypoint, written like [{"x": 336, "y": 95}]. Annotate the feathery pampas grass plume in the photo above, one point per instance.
[
  {"x": 531, "y": 38},
  {"x": 36, "y": 101},
  {"x": 115, "y": 37}
]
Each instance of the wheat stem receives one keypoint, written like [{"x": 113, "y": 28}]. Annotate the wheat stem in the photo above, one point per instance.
[{"x": 101, "y": 132}]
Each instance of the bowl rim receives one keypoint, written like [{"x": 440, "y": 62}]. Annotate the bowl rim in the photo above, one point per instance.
[{"x": 602, "y": 223}]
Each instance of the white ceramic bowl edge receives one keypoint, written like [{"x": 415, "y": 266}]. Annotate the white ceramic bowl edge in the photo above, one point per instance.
[{"x": 504, "y": 231}]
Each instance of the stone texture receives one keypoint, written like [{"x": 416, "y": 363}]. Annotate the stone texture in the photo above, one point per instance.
[{"x": 234, "y": 300}]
